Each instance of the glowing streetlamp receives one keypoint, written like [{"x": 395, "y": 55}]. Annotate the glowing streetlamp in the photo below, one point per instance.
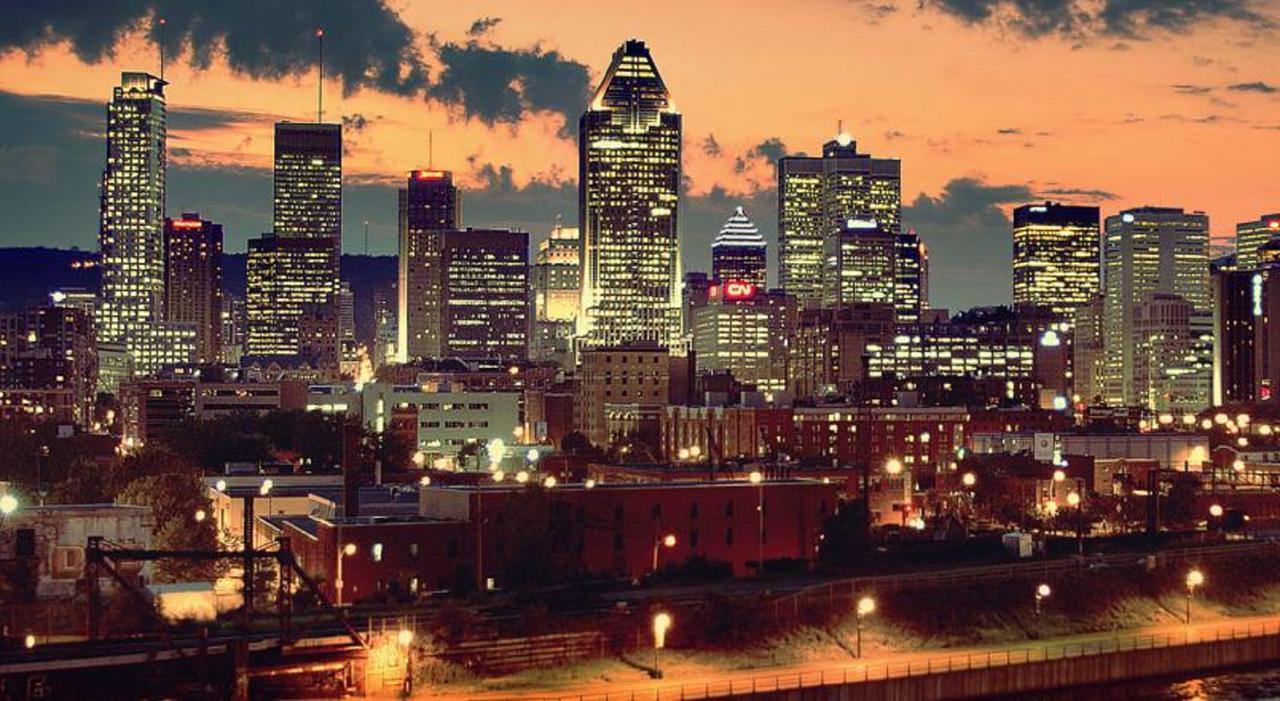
[
  {"x": 29, "y": 641},
  {"x": 405, "y": 637},
  {"x": 667, "y": 541},
  {"x": 661, "y": 624},
  {"x": 522, "y": 477},
  {"x": 757, "y": 478},
  {"x": 695, "y": 451},
  {"x": 499, "y": 475},
  {"x": 893, "y": 466},
  {"x": 549, "y": 482},
  {"x": 866, "y": 607},
  {"x": 1237, "y": 465},
  {"x": 425, "y": 481},
  {"x": 1042, "y": 592},
  {"x": 1074, "y": 501},
  {"x": 589, "y": 484},
  {"x": 347, "y": 551},
  {"x": 8, "y": 504},
  {"x": 220, "y": 485},
  {"x": 969, "y": 479},
  {"x": 200, "y": 515},
  {"x": 1195, "y": 578},
  {"x": 1059, "y": 476},
  {"x": 1216, "y": 511},
  {"x": 419, "y": 459},
  {"x": 683, "y": 454}
]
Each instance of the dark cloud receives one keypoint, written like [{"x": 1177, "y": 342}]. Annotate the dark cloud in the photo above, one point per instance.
[
  {"x": 354, "y": 122},
  {"x": 876, "y": 10},
  {"x": 711, "y": 147},
  {"x": 1255, "y": 86},
  {"x": 494, "y": 84},
  {"x": 1078, "y": 193},
  {"x": 1009, "y": 131},
  {"x": 968, "y": 237},
  {"x": 367, "y": 46},
  {"x": 1081, "y": 19},
  {"x": 767, "y": 151},
  {"x": 482, "y": 26},
  {"x": 1186, "y": 89}
]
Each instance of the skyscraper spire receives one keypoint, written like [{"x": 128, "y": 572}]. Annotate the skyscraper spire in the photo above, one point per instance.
[{"x": 320, "y": 83}]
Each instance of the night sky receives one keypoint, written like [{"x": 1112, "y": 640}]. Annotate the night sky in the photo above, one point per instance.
[{"x": 989, "y": 103}]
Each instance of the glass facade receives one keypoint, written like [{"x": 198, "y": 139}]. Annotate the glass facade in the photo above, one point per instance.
[
  {"x": 739, "y": 253},
  {"x": 629, "y": 194},
  {"x": 1055, "y": 256},
  {"x": 1252, "y": 235},
  {"x": 287, "y": 279},
  {"x": 485, "y": 297},
  {"x": 861, "y": 265},
  {"x": 429, "y": 205},
  {"x": 193, "y": 281}
]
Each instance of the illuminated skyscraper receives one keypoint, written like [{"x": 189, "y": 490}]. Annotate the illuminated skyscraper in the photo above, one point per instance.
[
  {"x": 628, "y": 199},
  {"x": 485, "y": 294},
  {"x": 1252, "y": 235},
  {"x": 739, "y": 253},
  {"x": 1149, "y": 251},
  {"x": 911, "y": 275},
  {"x": 131, "y": 230},
  {"x": 861, "y": 265},
  {"x": 817, "y": 196},
  {"x": 1055, "y": 256},
  {"x": 308, "y": 181},
  {"x": 288, "y": 279},
  {"x": 193, "y": 281},
  {"x": 429, "y": 205},
  {"x": 557, "y": 275}
]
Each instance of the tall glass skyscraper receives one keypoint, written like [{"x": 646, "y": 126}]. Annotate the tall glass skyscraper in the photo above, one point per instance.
[
  {"x": 308, "y": 181},
  {"x": 1252, "y": 235},
  {"x": 429, "y": 205},
  {"x": 193, "y": 280},
  {"x": 629, "y": 149},
  {"x": 1149, "y": 255},
  {"x": 131, "y": 230},
  {"x": 1055, "y": 256},
  {"x": 817, "y": 197},
  {"x": 740, "y": 253}
]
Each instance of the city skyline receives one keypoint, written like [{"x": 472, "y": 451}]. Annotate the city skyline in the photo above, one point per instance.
[{"x": 960, "y": 179}]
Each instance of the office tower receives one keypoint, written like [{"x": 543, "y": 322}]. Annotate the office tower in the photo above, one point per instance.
[
  {"x": 346, "y": 312},
  {"x": 234, "y": 328},
  {"x": 1251, "y": 235},
  {"x": 1089, "y": 351},
  {"x": 130, "y": 313},
  {"x": 1055, "y": 256},
  {"x": 288, "y": 282},
  {"x": 429, "y": 204},
  {"x": 193, "y": 280},
  {"x": 1172, "y": 360},
  {"x": 1264, "y": 310},
  {"x": 1237, "y": 309},
  {"x": 693, "y": 294},
  {"x": 628, "y": 199},
  {"x": 48, "y": 364},
  {"x": 911, "y": 282},
  {"x": 385, "y": 333},
  {"x": 637, "y": 373},
  {"x": 739, "y": 253},
  {"x": 830, "y": 348},
  {"x": 817, "y": 196},
  {"x": 861, "y": 265},
  {"x": 742, "y": 330},
  {"x": 485, "y": 294},
  {"x": 1148, "y": 251},
  {"x": 557, "y": 275},
  {"x": 308, "y": 181}
]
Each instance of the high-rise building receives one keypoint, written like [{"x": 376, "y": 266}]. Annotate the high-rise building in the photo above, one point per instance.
[
  {"x": 193, "y": 280},
  {"x": 557, "y": 275},
  {"x": 1237, "y": 309},
  {"x": 234, "y": 328},
  {"x": 739, "y": 253},
  {"x": 308, "y": 181},
  {"x": 1172, "y": 357},
  {"x": 485, "y": 294},
  {"x": 911, "y": 276},
  {"x": 429, "y": 205},
  {"x": 287, "y": 279},
  {"x": 1147, "y": 251},
  {"x": 861, "y": 265},
  {"x": 817, "y": 196},
  {"x": 1089, "y": 351},
  {"x": 1251, "y": 235},
  {"x": 131, "y": 230},
  {"x": 743, "y": 330},
  {"x": 48, "y": 364},
  {"x": 628, "y": 200},
  {"x": 1055, "y": 256}
]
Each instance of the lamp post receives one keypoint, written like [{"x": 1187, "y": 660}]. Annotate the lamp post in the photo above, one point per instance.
[
  {"x": 866, "y": 607},
  {"x": 346, "y": 551},
  {"x": 667, "y": 541},
  {"x": 757, "y": 478},
  {"x": 1073, "y": 500},
  {"x": 661, "y": 623},
  {"x": 1194, "y": 579},
  {"x": 1042, "y": 592}
]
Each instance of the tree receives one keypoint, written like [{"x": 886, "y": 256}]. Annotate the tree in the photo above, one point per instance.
[
  {"x": 844, "y": 535},
  {"x": 540, "y": 540},
  {"x": 174, "y": 499},
  {"x": 85, "y": 483}
]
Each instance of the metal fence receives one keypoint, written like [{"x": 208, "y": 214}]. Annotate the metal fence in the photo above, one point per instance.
[{"x": 941, "y": 664}]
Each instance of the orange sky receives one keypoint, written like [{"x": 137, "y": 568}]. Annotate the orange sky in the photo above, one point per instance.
[{"x": 917, "y": 84}]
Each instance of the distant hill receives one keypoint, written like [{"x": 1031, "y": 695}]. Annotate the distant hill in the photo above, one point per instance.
[{"x": 27, "y": 275}]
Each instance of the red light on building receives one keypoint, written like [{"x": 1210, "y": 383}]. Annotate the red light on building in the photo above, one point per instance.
[
  {"x": 739, "y": 290},
  {"x": 187, "y": 224},
  {"x": 428, "y": 175},
  {"x": 1274, "y": 224}
]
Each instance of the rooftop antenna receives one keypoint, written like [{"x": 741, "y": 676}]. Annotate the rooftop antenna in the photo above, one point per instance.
[
  {"x": 162, "y": 24},
  {"x": 431, "y": 149},
  {"x": 320, "y": 85},
  {"x": 839, "y": 126}
]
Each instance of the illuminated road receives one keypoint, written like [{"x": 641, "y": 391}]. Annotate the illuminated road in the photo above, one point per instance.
[{"x": 624, "y": 681}]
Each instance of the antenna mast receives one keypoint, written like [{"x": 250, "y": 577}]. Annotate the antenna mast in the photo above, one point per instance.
[
  {"x": 320, "y": 84},
  {"x": 431, "y": 149},
  {"x": 162, "y": 24}
]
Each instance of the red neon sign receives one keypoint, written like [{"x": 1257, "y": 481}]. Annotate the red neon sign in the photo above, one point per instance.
[
  {"x": 736, "y": 289},
  {"x": 187, "y": 224},
  {"x": 428, "y": 175}
]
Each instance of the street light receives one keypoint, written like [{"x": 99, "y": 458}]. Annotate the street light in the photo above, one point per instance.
[
  {"x": 893, "y": 466},
  {"x": 549, "y": 482},
  {"x": 1216, "y": 511},
  {"x": 8, "y": 504},
  {"x": 661, "y": 623},
  {"x": 695, "y": 451},
  {"x": 683, "y": 454},
  {"x": 668, "y": 541},
  {"x": 404, "y": 637},
  {"x": 200, "y": 514},
  {"x": 419, "y": 458},
  {"x": 757, "y": 478},
  {"x": 425, "y": 481},
  {"x": 1042, "y": 592},
  {"x": 220, "y": 485},
  {"x": 29, "y": 641},
  {"x": 1059, "y": 476},
  {"x": 866, "y": 607},
  {"x": 1073, "y": 500},
  {"x": 522, "y": 477},
  {"x": 347, "y": 551},
  {"x": 1194, "y": 579},
  {"x": 589, "y": 484},
  {"x": 969, "y": 479}
]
